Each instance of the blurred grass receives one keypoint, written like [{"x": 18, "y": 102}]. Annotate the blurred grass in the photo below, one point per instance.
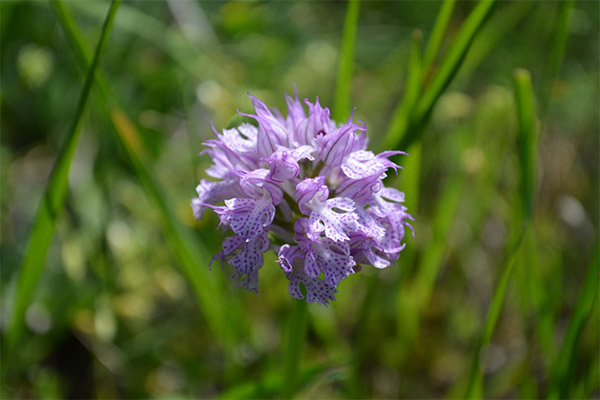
[
  {"x": 341, "y": 103},
  {"x": 565, "y": 366},
  {"x": 448, "y": 69},
  {"x": 53, "y": 199},
  {"x": 191, "y": 256}
]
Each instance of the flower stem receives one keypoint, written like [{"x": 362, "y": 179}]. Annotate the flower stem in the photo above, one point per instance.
[{"x": 296, "y": 332}]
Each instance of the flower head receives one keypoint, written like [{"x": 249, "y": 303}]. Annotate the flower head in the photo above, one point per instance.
[{"x": 309, "y": 183}]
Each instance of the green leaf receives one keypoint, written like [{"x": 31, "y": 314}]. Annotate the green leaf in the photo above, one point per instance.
[
  {"x": 474, "y": 387},
  {"x": 448, "y": 69},
  {"x": 296, "y": 336},
  {"x": 565, "y": 365},
  {"x": 439, "y": 28},
  {"x": 402, "y": 114},
  {"x": 527, "y": 138},
  {"x": 53, "y": 199},
  {"x": 342, "y": 89}
]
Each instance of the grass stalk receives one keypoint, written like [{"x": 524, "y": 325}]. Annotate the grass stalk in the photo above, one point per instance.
[
  {"x": 564, "y": 366},
  {"x": 475, "y": 383},
  {"x": 447, "y": 71},
  {"x": 527, "y": 142},
  {"x": 191, "y": 256},
  {"x": 54, "y": 197},
  {"x": 294, "y": 346},
  {"x": 439, "y": 28},
  {"x": 341, "y": 104},
  {"x": 402, "y": 114}
]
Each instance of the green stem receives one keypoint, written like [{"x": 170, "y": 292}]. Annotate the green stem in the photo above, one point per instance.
[{"x": 296, "y": 334}]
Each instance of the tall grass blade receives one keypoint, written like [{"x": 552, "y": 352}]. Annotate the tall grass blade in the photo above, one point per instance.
[
  {"x": 564, "y": 366},
  {"x": 191, "y": 255},
  {"x": 559, "y": 41},
  {"x": 474, "y": 387},
  {"x": 54, "y": 198},
  {"x": 439, "y": 28},
  {"x": 341, "y": 104},
  {"x": 402, "y": 114},
  {"x": 527, "y": 142},
  {"x": 498, "y": 26},
  {"x": 448, "y": 69},
  {"x": 296, "y": 335}
]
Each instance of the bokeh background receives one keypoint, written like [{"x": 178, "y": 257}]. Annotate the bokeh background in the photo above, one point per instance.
[{"x": 114, "y": 314}]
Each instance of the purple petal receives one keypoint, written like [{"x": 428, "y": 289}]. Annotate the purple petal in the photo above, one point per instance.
[
  {"x": 334, "y": 146},
  {"x": 308, "y": 189},
  {"x": 318, "y": 121},
  {"x": 247, "y": 217},
  {"x": 254, "y": 183},
  {"x": 213, "y": 192},
  {"x": 282, "y": 165},
  {"x": 250, "y": 258},
  {"x": 335, "y": 217},
  {"x": 363, "y": 164},
  {"x": 333, "y": 259}
]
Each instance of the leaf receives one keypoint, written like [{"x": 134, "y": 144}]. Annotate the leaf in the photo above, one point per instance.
[{"x": 448, "y": 69}]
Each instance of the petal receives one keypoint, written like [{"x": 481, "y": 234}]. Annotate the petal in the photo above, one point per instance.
[
  {"x": 363, "y": 164},
  {"x": 308, "y": 189},
  {"x": 333, "y": 259},
  {"x": 271, "y": 130},
  {"x": 296, "y": 112},
  {"x": 317, "y": 291},
  {"x": 318, "y": 121},
  {"x": 310, "y": 266},
  {"x": 335, "y": 217},
  {"x": 247, "y": 217},
  {"x": 213, "y": 192},
  {"x": 282, "y": 165},
  {"x": 255, "y": 183},
  {"x": 334, "y": 146},
  {"x": 360, "y": 190},
  {"x": 250, "y": 258}
]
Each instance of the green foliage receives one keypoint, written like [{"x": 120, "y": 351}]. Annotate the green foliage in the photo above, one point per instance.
[
  {"x": 53, "y": 200},
  {"x": 491, "y": 298}
]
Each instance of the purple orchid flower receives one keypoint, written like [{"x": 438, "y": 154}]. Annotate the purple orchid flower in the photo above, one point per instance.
[{"x": 307, "y": 172}]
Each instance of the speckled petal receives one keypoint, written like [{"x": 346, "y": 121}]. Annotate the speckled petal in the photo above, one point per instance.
[{"x": 247, "y": 217}]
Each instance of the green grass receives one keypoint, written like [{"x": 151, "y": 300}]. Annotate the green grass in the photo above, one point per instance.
[
  {"x": 341, "y": 104},
  {"x": 53, "y": 199},
  {"x": 191, "y": 256},
  {"x": 126, "y": 305},
  {"x": 565, "y": 365}
]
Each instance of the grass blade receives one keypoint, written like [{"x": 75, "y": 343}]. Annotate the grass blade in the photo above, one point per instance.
[
  {"x": 563, "y": 368},
  {"x": 498, "y": 26},
  {"x": 559, "y": 42},
  {"x": 342, "y": 89},
  {"x": 446, "y": 73},
  {"x": 402, "y": 115},
  {"x": 294, "y": 347},
  {"x": 474, "y": 387},
  {"x": 221, "y": 313},
  {"x": 54, "y": 197},
  {"x": 439, "y": 28},
  {"x": 527, "y": 138}
]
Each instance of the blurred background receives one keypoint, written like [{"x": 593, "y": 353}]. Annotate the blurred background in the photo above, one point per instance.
[{"x": 115, "y": 313}]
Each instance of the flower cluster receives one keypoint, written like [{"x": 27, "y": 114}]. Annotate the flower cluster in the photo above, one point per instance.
[{"x": 307, "y": 188}]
